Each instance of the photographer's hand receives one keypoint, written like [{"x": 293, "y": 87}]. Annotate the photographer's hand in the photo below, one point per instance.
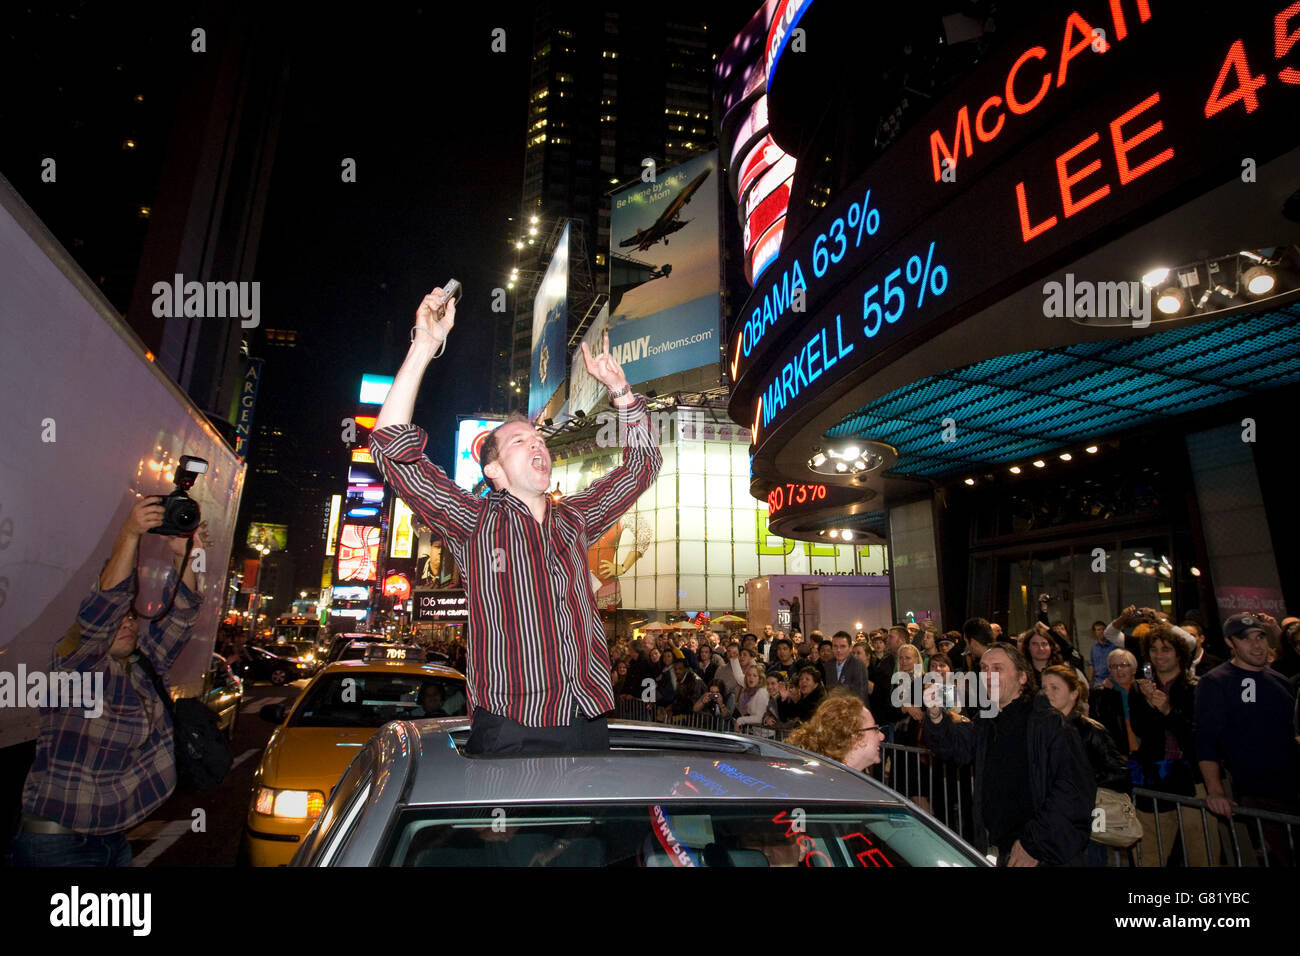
[{"x": 145, "y": 514}]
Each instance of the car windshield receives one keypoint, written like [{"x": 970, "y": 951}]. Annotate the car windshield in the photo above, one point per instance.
[
  {"x": 361, "y": 699},
  {"x": 749, "y": 834}
]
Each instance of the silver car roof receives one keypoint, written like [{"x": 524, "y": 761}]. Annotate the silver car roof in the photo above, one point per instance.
[
  {"x": 646, "y": 762},
  {"x": 415, "y": 764}
]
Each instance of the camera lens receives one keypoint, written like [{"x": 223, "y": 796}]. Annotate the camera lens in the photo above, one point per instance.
[{"x": 184, "y": 514}]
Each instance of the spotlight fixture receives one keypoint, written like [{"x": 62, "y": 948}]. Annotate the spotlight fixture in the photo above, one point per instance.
[
  {"x": 835, "y": 533},
  {"x": 518, "y": 244},
  {"x": 549, "y": 422},
  {"x": 533, "y": 220},
  {"x": 1040, "y": 464},
  {"x": 579, "y": 413},
  {"x": 1155, "y": 277},
  {"x": 1065, "y": 456},
  {"x": 846, "y": 535},
  {"x": 1196, "y": 572},
  {"x": 1172, "y": 300},
  {"x": 1134, "y": 563},
  {"x": 1260, "y": 280},
  {"x": 970, "y": 481},
  {"x": 1015, "y": 469},
  {"x": 857, "y": 457},
  {"x": 1091, "y": 449}
]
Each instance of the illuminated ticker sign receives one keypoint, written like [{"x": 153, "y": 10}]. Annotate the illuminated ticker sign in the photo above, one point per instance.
[
  {"x": 792, "y": 494},
  {"x": 1048, "y": 150}
]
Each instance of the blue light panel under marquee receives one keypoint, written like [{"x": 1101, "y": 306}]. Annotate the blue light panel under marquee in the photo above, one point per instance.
[{"x": 1018, "y": 406}]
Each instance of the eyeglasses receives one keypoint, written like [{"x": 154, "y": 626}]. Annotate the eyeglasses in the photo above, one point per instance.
[{"x": 866, "y": 730}]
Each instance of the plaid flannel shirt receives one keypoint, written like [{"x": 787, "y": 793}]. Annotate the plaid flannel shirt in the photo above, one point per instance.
[{"x": 102, "y": 775}]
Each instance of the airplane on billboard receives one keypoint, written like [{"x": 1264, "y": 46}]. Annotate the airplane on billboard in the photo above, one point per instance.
[{"x": 668, "y": 221}]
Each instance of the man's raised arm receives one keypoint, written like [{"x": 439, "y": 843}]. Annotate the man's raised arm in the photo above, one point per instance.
[
  {"x": 399, "y": 452},
  {"x": 430, "y": 339}
]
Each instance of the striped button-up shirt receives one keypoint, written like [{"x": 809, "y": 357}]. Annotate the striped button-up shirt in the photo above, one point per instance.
[
  {"x": 536, "y": 645},
  {"x": 104, "y": 774}
]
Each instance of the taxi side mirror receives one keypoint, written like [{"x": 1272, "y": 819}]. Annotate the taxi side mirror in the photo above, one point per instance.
[{"x": 274, "y": 713}]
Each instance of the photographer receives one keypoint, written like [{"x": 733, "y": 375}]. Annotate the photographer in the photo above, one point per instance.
[
  {"x": 1130, "y": 619},
  {"x": 93, "y": 779},
  {"x": 713, "y": 702}
]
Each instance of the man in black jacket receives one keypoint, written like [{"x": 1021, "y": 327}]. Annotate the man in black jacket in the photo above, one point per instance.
[
  {"x": 845, "y": 670},
  {"x": 1033, "y": 790}
]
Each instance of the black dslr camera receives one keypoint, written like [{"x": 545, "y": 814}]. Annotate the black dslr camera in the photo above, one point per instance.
[{"x": 181, "y": 514}]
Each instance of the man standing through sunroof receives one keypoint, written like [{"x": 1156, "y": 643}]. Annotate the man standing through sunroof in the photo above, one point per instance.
[{"x": 538, "y": 668}]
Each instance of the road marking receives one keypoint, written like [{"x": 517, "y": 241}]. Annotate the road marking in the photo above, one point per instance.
[
  {"x": 260, "y": 702},
  {"x": 168, "y": 835},
  {"x": 244, "y": 756}
]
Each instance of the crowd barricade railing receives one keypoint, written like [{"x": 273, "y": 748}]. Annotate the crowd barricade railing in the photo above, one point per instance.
[{"x": 1254, "y": 837}]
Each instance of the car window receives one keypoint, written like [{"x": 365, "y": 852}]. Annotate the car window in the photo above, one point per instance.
[
  {"x": 750, "y": 834},
  {"x": 373, "y": 699}
]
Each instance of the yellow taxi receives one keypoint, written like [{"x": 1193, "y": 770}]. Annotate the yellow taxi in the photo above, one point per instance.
[{"x": 335, "y": 715}]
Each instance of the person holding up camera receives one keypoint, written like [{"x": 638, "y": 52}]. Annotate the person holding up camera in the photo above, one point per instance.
[
  {"x": 96, "y": 777},
  {"x": 1127, "y": 625}
]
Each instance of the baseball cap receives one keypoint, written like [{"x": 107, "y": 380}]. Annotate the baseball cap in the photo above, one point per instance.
[
  {"x": 1239, "y": 624},
  {"x": 944, "y": 639}
]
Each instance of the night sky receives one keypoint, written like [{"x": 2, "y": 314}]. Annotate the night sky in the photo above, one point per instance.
[{"x": 435, "y": 122}]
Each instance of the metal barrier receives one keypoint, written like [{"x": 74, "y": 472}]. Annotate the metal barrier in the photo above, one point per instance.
[{"x": 1259, "y": 839}]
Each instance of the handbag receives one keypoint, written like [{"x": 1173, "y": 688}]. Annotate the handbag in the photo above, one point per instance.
[
  {"x": 203, "y": 755},
  {"x": 1120, "y": 824}
]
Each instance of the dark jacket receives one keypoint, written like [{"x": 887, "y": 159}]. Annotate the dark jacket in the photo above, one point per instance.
[
  {"x": 1109, "y": 766},
  {"x": 854, "y": 677},
  {"x": 1150, "y": 725},
  {"x": 802, "y": 709},
  {"x": 1061, "y": 781},
  {"x": 881, "y": 675}
]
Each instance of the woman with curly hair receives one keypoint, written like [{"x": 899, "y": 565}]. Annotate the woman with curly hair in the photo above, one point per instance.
[{"x": 844, "y": 730}]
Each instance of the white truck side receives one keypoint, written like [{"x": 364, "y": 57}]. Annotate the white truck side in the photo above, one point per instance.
[{"x": 89, "y": 423}]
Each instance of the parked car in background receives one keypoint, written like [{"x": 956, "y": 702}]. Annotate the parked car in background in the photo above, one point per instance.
[
  {"x": 222, "y": 693},
  {"x": 341, "y": 642},
  {"x": 260, "y": 663}
]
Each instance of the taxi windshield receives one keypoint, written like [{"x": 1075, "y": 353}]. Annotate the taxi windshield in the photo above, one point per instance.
[{"x": 360, "y": 699}]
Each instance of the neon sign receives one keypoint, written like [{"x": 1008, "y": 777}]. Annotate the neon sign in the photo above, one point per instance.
[
  {"x": 792, "y": 493},
  {"x": 1134, "y": 111}
]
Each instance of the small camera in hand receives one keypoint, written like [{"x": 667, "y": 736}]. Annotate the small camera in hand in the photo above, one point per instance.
[{"x": 181, "y": 515}]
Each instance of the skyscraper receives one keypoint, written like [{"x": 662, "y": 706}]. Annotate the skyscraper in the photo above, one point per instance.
[{"x": 609, "y": 90}]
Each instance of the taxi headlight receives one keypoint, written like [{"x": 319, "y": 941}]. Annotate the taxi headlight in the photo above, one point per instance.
[{"x": 289, "y": 804}]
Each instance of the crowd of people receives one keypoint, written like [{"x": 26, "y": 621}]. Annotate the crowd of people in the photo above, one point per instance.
[{"x": 1151, "y": 708}]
